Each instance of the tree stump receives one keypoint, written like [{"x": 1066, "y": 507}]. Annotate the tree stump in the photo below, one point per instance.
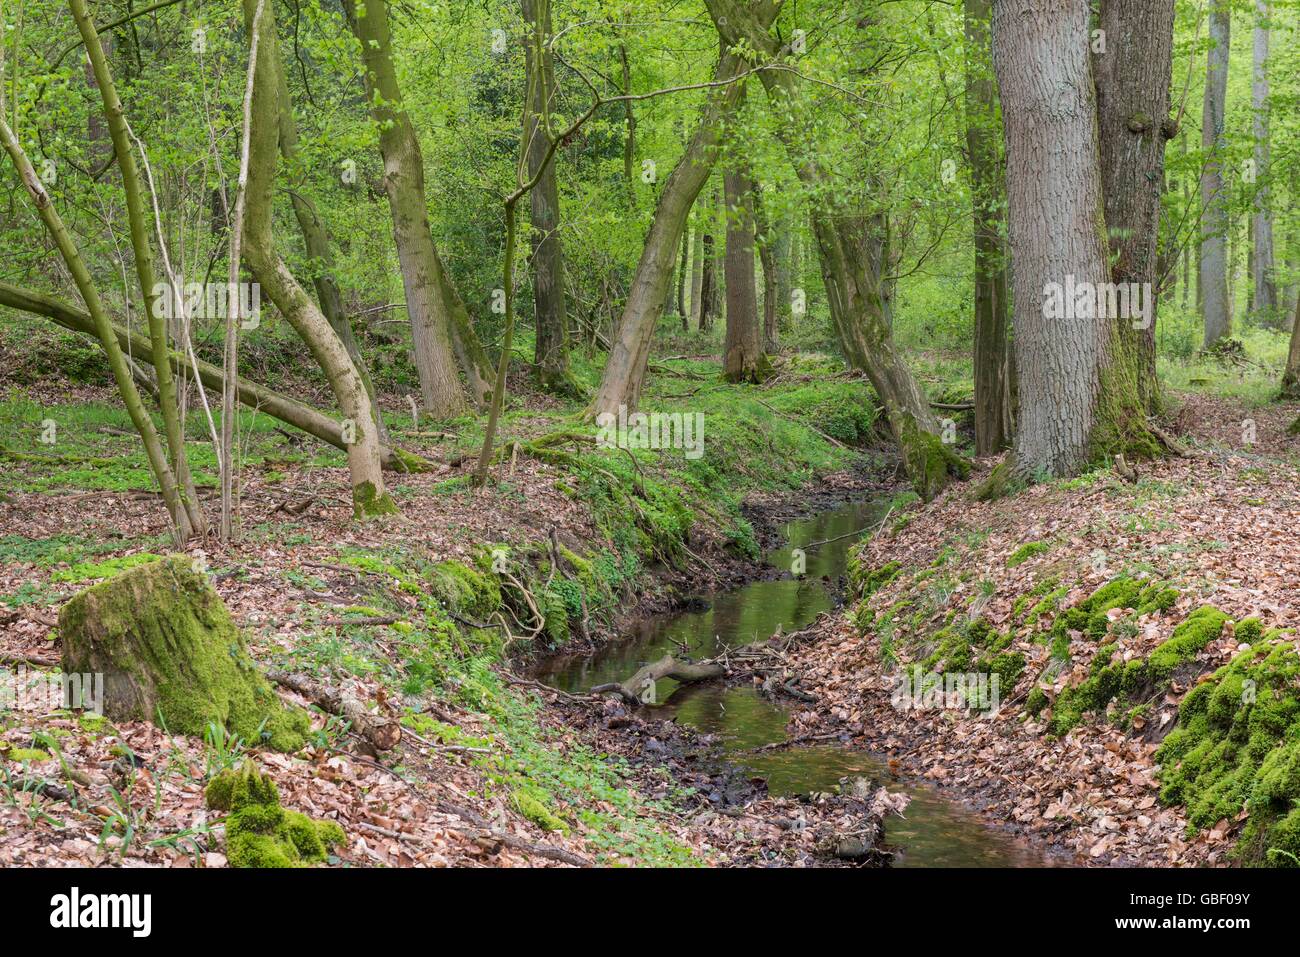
[{"x": 170, "y": 653}]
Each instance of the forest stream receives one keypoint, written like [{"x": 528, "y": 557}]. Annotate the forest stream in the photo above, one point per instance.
[{"x": 935, "y": 831}]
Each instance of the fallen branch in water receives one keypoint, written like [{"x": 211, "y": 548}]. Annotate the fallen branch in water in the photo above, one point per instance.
[{"x": 685, "y": 672}]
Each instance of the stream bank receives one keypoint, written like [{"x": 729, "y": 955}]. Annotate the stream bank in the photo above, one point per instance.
[{"x": 729, "y": 739}]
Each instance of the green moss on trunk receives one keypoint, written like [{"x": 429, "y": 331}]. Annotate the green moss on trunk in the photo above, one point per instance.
[{"x": 171, "y": 654}]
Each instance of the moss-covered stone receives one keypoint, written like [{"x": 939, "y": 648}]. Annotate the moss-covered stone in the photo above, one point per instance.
[
  {"x": 261, "y": 833},
  {"x": 533, "y": 808},
  {"x": 465, "y": 590},
  {"x": 171, "y": 654}
]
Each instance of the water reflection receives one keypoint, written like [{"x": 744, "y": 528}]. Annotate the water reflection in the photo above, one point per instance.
[{"x": 935, "y": 833}]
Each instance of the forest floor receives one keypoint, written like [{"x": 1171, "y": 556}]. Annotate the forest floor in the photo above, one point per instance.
[
  {"x": 1075, "y": 763},
  {"x": 493, "y": 769},
  {"x": 496, "y": 770}
]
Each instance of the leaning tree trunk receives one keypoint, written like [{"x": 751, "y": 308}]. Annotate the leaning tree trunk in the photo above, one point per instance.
[
  {"x": 743, "y": 359},
  {"x": 1266, "y": 302},
  {"x": 625, "y": 370},
  {"x": 853, "y": 253},
  {"x": 993, "y": 411},
  {"x": 1215, "y": 302},
  {"x": 369, "y": 496},
  {"x": 117, "y": 362},
  {"x": 1040, "y": 54},
  {"x": 320, "y": 252},
  {"x": 551, "y": 353},
  {"x": 182, "y": 501},
  {"x": 256, "y": 397},
  {"x": 1133, "y": 77},
  {"x": 438, "y": 334}
]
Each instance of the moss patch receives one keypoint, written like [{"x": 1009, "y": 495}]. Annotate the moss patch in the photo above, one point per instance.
[
  {"x": 1237, "y": 746},
  {"x": 170, "y": 653},
  {"x": 261, "y": 833},
  {"x": 1026, "y": 552}
]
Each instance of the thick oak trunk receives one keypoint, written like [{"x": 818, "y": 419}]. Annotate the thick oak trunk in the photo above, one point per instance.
[{"x": 1132, "y": 78}]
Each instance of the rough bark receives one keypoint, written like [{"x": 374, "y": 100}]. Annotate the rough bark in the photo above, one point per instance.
[
  {"x": 551, "y": 312},
  {"x": 1132, "y": 79},
  {"x": 992, "y": 352},
  {"x": 441, "y": 336},
  {"x": 369, "y": 496},
  {"x": 256, "y": 397},
  {"x": 1266, "y": 299},
  {"x": 852, "y": 250},
  {"x": 743, "y": 359},
  {"x": 1076, "y": 384},
  {"x": 763, "y": 239},
  {"x": 1215, "y": 303}
]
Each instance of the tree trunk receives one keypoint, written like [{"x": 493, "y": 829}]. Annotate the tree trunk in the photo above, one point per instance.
[
  {"x": 429, "y": 301},
  {"x": 742, "y": 352},
  {"x": 697, "y": 275},
  {"x": 1266, "y": 301},
  {"x": 1291, "y": 377},
  {"x": 763, "y": 238},
  {"x": 993, "y": 411},
  {"x": 1215, "y": 307},
  {"x": 182, "y": 501},
  {"x": 320, "y": 252},
  {"x": 1077, "y": 384},
  {"x": 709, "y": 283},
  {"x": 629, "y": 355},
  {"x": 256, "y": 397},
  {"x": 1133, "y": 77},
  {"x": 369, "y": 496},
  {"x": 117, "y": 362},
  {"x": 852, "y": 248},
  {"x": 551, "y": 311},
  {"x": 682, "y": 266}
]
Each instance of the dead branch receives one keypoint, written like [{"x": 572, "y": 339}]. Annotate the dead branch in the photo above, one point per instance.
[{"x": 382, "y": 733}]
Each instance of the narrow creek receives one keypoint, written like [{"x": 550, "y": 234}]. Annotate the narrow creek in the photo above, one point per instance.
[{"x": 936, "y": 832}]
